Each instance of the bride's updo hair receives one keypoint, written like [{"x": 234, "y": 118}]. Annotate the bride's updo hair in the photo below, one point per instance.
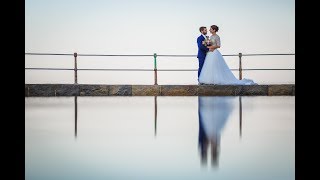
[{"x": 215, "y": 27}]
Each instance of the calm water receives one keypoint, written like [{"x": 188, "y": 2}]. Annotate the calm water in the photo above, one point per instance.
[{"x": 160, "y": 138}]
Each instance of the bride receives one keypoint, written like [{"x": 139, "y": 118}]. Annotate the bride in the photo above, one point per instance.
[{"x": 215, "y": 70}]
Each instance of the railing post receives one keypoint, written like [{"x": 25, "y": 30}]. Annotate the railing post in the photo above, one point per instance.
[
  {"x": 240, "y": 66},
  {"x": 75, "y": 68},
  {"x": 155, "y": 69}
]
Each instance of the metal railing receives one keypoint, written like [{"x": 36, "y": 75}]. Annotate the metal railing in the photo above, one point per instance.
[{"x": 155, "y": 69}]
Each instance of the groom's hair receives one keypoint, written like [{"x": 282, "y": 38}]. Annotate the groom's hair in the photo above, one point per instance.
[{"x": 201, "y": 28}]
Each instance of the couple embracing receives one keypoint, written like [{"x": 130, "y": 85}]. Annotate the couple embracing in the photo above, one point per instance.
[{"x": 212, "y": 66}]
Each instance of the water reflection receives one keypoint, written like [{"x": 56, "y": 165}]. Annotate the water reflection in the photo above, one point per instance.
[
  {"x": 240, "y": 116},
  {"x": 108, "y": 138},
  {"x": 75, "y": 115},
  {"x": 213, "y": 115},
  {"x": 206, "y": 104},
  {"x": 155, "y": 115}
]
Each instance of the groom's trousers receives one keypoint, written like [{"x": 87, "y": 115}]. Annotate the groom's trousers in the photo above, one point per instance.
[{"x": 201, "y": 62}]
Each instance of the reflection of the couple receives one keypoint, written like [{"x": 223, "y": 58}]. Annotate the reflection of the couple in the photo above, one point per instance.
[{"x": 213, "y": 115}]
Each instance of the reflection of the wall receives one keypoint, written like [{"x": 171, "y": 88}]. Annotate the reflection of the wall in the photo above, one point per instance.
[{"x": 214, "y": 113}]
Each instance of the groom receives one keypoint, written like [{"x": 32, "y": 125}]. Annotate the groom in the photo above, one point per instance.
[{"x": 202, "y": 50}]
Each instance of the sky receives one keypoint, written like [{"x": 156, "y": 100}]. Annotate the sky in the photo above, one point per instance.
[{"x": 162, "y": 27}]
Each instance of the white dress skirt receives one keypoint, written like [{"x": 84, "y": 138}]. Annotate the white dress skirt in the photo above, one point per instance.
[{"x": 216, "y": 71}]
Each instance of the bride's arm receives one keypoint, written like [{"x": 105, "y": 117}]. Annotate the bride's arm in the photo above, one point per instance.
[{"x": 213, "y": 47}]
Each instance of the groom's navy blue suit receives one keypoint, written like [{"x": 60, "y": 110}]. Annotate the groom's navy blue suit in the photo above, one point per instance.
[{"x": 202, "y": 51}]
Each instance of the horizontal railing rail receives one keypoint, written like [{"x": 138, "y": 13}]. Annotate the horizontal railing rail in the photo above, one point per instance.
[
  {"x": 155, "y": 69},
  {"x": 81, "y": 69},
  {"x": 164, "y": 55}
]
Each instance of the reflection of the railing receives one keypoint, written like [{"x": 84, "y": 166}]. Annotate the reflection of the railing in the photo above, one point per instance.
[
  {"x": 155, "y": 116},
  {"x": 75, "y": 115},
  {"x": 240, "y": 116}
]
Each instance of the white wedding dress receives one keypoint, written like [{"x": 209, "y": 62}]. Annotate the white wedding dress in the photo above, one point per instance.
[{"x": 216, "y": 71}]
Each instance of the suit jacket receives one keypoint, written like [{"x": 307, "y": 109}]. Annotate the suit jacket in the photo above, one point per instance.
[{"x": 202, "y": 50}]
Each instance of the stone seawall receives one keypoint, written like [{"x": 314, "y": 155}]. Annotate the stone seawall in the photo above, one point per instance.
[{"x": 32, "y": 90}]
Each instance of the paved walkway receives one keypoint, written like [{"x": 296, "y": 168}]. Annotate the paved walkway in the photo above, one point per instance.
[{"x": 158, "y": 90}]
